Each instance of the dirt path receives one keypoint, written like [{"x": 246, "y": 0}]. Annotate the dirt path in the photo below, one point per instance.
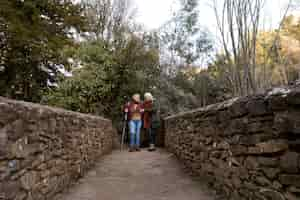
[{"x": 137, "y": 176}]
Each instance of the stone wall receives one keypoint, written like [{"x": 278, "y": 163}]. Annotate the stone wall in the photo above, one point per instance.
[
  {"x": 246, "y": 148},
  {"x": 43, "y": 150}
]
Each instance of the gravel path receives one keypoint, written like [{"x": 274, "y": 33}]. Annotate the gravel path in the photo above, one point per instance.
[{"x": 138, "y": 176}]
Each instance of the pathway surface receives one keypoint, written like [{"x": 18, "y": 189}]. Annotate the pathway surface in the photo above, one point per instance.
[{"x": 138, "y": 176}]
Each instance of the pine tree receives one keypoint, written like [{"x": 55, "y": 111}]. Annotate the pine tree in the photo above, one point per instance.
[{"x": 32, "y": 35}]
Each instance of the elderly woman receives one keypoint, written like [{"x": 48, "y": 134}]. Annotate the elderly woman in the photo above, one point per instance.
[
  {"x": 134, "y": 110},
  {"x": 150, "y": 119}
]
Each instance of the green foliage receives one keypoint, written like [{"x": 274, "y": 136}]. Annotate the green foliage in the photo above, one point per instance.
[
  {"x": 89, "y": 86},
  {"x": 36, "y": 43},
  {"x": 116, "y": 60},
  {"x": 107, "y": 77},
  {"x": 34, "y": 32}
]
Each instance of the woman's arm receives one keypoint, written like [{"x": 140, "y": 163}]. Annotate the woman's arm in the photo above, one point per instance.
[{"x": 126, "y": 107}]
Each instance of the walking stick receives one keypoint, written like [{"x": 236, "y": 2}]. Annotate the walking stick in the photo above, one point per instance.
[{"x": 124, "y": 131}]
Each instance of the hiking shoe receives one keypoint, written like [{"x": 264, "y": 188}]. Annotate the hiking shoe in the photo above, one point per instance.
[
  {"x": 131, "y": 149},
  {"x": 138, "y": 149},
  {"x": 152, "y": 147}
]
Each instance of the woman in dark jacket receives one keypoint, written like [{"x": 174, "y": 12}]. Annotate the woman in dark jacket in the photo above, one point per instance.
[{"x": 150, "y": 119}]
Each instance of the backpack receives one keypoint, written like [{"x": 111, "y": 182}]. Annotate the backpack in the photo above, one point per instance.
[{"x": 155, "y": 116}]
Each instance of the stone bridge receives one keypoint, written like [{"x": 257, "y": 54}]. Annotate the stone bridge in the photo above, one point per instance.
[{"x": 245, "y": 148}]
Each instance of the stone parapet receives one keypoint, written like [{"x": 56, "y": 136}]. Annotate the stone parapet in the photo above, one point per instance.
[
  {"x": 43, "y": 150},
  {"x": 246, "y": 148}
]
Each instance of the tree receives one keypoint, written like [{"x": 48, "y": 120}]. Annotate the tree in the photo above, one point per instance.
[
  {"x": 109, "y": 20},
  {"x": 239, "y": 21},
  {"x": 183, "y": 39},
  {"x": 32, "y": 33},
  {"x": 277, "y": 54},
  {"x": 107, "y": 77},
  {"x": 88, "y": 90}
]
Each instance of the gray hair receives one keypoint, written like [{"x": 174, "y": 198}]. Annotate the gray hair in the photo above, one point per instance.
[{"x": 148, "y": 96}]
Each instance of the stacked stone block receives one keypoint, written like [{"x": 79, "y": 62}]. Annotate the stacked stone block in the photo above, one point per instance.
[
  {"x": 43, "y": 150},
  {"x": 246, "y": 148}
]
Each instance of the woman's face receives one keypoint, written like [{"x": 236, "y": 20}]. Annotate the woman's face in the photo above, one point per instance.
[{"x": 136, "y": 98}]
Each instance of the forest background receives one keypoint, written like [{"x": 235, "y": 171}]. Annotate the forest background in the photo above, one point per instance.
[{"x": 90, "y": 56}]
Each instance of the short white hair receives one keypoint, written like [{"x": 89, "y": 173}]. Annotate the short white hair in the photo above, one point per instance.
[{"x": 148, "y": 96}]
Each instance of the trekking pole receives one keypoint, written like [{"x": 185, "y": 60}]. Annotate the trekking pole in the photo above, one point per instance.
[{"x": 124, "y": 131}]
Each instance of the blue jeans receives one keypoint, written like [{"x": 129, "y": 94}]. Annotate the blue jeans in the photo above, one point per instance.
[{"x": 135, "y": 131}]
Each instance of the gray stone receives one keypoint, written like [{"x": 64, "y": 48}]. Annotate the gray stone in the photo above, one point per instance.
[
  {"x": 21, "y": 149},
  {"x": 289, "y": 162},
  {"x": 251, "y": 186},
  {"x": 208, "y": 140},
  {"x": 8, "y": 116},
  {"x": 268, "y": 161},
  {"x": 251, "y": 163},
  {"x": 52, "y": 125},
  {"x": 257, "y": 107},
  {"x": 277, "y": 103},
  {"x": 208, "y": 131},
  {"x": 198, "y": 146},
  {"x": 223, "y": 116},
  {"x": 293, "y": 97},
  {"x": 276, "y": 185},
  {"x": 273, "y": 146},
  {"x": 262, "y": 181},
  {"x": 271, "y": 173},
  {"x": 262, "y": 133},
  {"x": 287, "y": 122},
  {"x": 9, "y": 189},
  {"x": 254, "y": 139},
  {"x": 290, "y": 179},
  {"x": 233, "y": 161},
  {"x": 29, "y": 180},
  {"x": 243, "y": 173},
  {"x": 259, "y": 128},
  {"x": 270, "y": 194},
  {"x": 238, "y": 150},
  {"x": 3, "y": 138},
  {"x": 216, "y": 154},
  {"x": 236, "y": 181},
  {"x": 235, "y": 140},
  {"x": 293, "y": 189},
  {"x": 223, "y": 145},
  {"x": 238, "y": 108},
  {"x": 296, "y": 126},
  {"x": 21, "y": 196},
  {"x": 32, "y": 146},
  {"x": 203, "y": 156},
  {"x": 236, "y": 126},
  {"x": 281, "y": 123},
  {"x": 207, "y": 167},
  {"x": 16, "y": 130}
]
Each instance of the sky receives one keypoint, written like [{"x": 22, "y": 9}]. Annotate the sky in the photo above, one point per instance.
[{"x": 154, "y": 13}]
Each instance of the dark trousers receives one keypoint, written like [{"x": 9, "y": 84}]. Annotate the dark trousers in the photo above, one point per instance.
[{"x": 152, "y": 135}]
